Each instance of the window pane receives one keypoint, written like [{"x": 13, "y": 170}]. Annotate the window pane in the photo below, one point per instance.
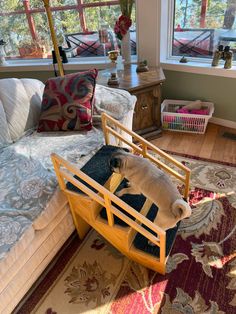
[
  {"x": 94, "y": 16},
  {"x": 201, "y": 26},
  {"x": 24, "y": 26},
  {"x": 66, "y": 22},
  {"x": 7, "y": 6},
  {"x": 15, "y": 32},
  {"x": 53, "y": 3}
]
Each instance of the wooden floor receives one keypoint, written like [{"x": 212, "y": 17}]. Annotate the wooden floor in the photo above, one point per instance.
[{"x": 211, "y": 145}]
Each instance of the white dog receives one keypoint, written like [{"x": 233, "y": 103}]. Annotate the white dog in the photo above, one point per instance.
[{"x": 145, "y": 178}]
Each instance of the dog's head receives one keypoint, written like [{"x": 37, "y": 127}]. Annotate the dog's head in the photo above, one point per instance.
[{"x": 118, "y": 161}]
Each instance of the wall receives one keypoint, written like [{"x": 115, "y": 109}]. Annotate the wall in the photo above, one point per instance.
[
  {"x": 148, "y": 30},
  {"x": 219, "y": 90}
]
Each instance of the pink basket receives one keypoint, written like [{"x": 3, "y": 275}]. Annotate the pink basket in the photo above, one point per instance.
[{"x": 184, "y": 122}]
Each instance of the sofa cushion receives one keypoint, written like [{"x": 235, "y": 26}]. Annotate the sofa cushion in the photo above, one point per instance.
[
  {"x": 5, "y": 138},
  {"x": 21, "y": 100},
  {"x": 67, "y": 102}
]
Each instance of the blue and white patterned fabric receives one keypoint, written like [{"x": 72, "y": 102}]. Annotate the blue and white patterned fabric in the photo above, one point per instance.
[{"x": 27, "y": 178}]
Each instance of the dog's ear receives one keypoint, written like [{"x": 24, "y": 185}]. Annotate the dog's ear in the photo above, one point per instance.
[
  {"x": 127, "y": 150},
  {"x": 115, "y": 162}
]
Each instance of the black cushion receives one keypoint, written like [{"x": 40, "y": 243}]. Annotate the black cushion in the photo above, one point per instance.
[
  {"x": 141, "y": 242},
  {"x": 135, "y": 201}
]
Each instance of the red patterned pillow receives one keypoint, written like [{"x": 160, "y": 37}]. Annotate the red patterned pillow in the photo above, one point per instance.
[{"x": 67, "y": 102}]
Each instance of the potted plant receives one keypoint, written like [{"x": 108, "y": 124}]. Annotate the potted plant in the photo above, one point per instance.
[{"x": 32, "y": 49}]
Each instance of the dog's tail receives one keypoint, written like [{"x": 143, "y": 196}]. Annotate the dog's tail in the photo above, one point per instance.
[{"x": 181, "y": 209}]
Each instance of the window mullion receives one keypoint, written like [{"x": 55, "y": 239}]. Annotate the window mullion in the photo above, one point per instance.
[
  {"x": 80, "y": 8},
  {"x": 30, "y": 19}
]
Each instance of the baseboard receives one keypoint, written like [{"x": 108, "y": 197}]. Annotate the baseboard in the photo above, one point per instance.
[{"x": 226, "y": 123}]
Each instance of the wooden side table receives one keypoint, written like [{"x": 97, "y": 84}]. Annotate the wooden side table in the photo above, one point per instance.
[{"x": 146, "y": 86}]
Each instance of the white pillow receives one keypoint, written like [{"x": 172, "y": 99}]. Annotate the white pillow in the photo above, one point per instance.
[
  {"x": 21, "y": 100},
  {"x": 5, "y": 138}
]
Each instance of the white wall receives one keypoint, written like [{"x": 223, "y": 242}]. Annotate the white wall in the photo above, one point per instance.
[{"x": 148, "y": 30}]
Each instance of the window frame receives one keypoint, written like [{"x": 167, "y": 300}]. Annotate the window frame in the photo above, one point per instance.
[{"x": 194, "y": 65}]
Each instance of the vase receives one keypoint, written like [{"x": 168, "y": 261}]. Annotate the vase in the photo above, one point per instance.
[
  {"x": 126, "y": 48},
  {"x": 2, "y": 56}
]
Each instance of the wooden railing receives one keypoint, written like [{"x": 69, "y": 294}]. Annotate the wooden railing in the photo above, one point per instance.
[{"x": 144, "y": 148}]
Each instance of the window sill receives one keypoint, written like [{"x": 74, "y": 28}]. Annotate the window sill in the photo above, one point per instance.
[
  {"x": 199, "y": 68},
  {"x": 46, "y": 64}
]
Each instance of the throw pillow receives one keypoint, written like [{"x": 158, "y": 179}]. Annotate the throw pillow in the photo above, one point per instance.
[{"x": 67, "y": 102}]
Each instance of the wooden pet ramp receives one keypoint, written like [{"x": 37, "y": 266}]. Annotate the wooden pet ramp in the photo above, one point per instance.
[{"x": 126, "y": 221}]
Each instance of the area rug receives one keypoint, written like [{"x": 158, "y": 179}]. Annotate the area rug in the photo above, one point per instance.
[{"x": 201, "y": 269}]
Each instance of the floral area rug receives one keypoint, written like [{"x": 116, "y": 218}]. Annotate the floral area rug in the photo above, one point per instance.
[{"x": 201, "y": 269}]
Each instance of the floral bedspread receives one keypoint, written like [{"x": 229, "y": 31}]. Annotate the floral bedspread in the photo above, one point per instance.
[{"x": 27, "y": 179}]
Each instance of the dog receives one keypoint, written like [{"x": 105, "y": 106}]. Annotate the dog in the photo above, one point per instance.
[{"x": 145, "y": 178}]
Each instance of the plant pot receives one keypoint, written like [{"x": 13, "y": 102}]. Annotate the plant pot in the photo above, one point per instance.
[{"x": 32, "y": 52}]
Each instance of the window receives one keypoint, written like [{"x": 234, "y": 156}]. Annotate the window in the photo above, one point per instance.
[
  {"x": 200, "y": 26},
  {"x": 24, "y": 27}
]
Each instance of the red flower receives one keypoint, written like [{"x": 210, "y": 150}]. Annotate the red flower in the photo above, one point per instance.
[{"x": 122, "y": 25}]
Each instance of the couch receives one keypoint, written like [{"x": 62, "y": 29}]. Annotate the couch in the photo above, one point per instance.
[{"x": 35, "y": 219}]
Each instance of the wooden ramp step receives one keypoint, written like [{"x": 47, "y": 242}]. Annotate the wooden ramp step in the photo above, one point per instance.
[{"x": 91, "y": 211}]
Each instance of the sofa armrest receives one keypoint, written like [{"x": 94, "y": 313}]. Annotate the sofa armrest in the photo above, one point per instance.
[
  {"x": 117, "y": 103},
  {"x": 21, "y": 101}
]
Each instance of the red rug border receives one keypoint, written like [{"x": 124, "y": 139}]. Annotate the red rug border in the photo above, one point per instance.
[
  {"x": 58, "y": 263},
  {"x": 225, "y": 163}
]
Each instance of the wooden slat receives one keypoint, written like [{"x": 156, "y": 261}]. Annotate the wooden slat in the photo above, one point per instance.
[
  {"x": 120, "y": 137},
  {"x": 82, "y": 187},
  {"x": 142, "y": 140},
  {"x": 168, "y": 169},
  {"x": 110, "y": 217}
]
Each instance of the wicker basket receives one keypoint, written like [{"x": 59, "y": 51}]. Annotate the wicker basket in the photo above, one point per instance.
[{"x": 184, "y": 122}]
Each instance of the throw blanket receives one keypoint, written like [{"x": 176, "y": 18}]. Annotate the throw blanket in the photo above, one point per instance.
[
  {"x": 117, "y": 102},
  {"x": 27, "y": 178}
]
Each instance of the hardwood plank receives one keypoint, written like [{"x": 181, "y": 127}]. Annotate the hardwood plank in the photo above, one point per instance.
[
  {"x": 209, "y": 141},
  {"x": 163, "y": 141},
  {"x": 211, "y": 145}
]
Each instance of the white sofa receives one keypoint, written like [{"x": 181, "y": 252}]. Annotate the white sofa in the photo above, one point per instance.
[{"x": 35, "y": 219}]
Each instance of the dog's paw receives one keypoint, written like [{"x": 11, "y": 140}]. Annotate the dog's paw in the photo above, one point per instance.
[
  {"x": 119, "y": 193},
  {"x": 127, "y": 184}
]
